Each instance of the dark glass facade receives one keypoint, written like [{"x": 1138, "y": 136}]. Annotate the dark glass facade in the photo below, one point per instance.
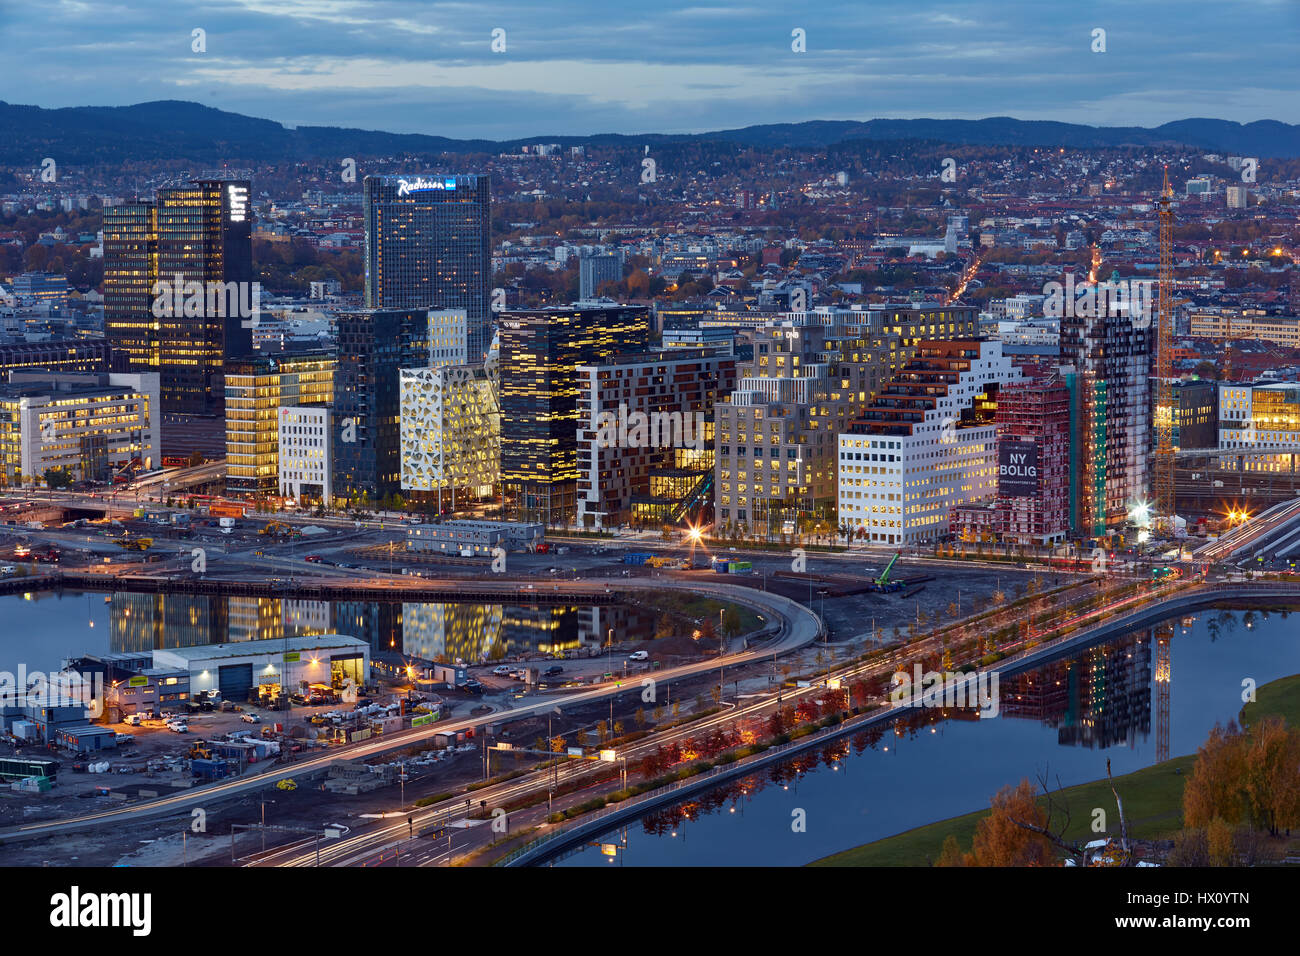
[
  {"x": 374, "y": 345},
  {"x": 197, "y": 233},
  {"x": 428, "y": 246},
  {"x": 540, "y": 353}
]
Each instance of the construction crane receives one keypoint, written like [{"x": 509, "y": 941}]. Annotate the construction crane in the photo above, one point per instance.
[
  {"x": 883, "y": 583},
  {"x": 1166, "y": 505}
]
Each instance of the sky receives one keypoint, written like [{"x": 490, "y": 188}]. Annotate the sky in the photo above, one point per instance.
[{"x": 630, "y": 66}]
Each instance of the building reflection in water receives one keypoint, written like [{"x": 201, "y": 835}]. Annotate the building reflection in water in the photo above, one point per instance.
[
  {"x": 427, "y": 631},
  {"x": 1096, "y": 699}
]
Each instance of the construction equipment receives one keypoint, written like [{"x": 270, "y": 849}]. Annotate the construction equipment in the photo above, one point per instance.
[
  {"x": 286, "y": 785},
  {"x": 135, "y": 544},
  {"x": 199, "y": 750},
  {"x": 1166, "y": 505},
  {"x": 883, "y": 583},
  {"x": 278, "y": 529}
]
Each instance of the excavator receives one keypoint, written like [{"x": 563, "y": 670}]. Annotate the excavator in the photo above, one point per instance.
[
  {"x": 884, "y": 583},
  {"x": 278, "y": 529}
]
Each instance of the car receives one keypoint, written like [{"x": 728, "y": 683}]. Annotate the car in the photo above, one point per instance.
[
  {"x": 473, "y": 686},
  {"x": 178, "y": 728},
  {"x": 8, "y": 569},
  {"x": 250, "y": 718},
  {"x": 551, "y": 671},
  {"x": 501, "y": 670},
  {"x": 313, "y": 558},
  {"x": 639, "y": 656}
]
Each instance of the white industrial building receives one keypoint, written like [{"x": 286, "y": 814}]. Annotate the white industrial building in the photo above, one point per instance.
[{"x": 282, "y": 665}]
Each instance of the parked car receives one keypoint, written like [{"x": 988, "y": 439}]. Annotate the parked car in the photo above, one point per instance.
[
  {"x": 250, "y": 718},
  {"x": 473, "y": 686},
  {"x": 7, "y": 569},
  {"x": 639, "y": 656},
  {"x": 501, "y": 670},
  {"x": 178, "y": 728},
  {"x": 552, "y": 671}
]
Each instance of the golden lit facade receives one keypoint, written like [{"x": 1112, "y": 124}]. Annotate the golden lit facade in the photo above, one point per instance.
[
  {"x": 256, "y": 388},
  {"x": 1264, "y": 419}
]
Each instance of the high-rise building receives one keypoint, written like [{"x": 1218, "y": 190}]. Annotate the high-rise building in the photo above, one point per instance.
[
  {"x": 595, "y": 270},
  {"x": 540, "y": 353},
  {"x": 428, "y": 246},
  {"x": 646, "y": 434},
  {"x": 374, "y": 345},
  {"x": 179, "y": 297},
  {"x": 306, "y": 453},
  {"x": 451, "y": 431},
  {"x": 1033, "y": 479},
  {"x": 926, "y": 443},
  {"x": 257, "y": 387},
  {"x": 1106, "y": 363},
  {"x": 1238, "y": 197}
]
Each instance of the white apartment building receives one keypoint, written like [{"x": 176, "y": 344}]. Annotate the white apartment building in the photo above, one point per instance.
[
  {"x": 305, "y": 452},
  {"x": 926, "y": 442}
]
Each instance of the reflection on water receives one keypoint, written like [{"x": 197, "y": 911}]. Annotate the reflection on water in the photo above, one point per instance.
[
  {"x": 421, "y": 630},
  {"x": 1133, "y": 701}
]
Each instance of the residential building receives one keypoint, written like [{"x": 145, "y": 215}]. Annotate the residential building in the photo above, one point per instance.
[
  {"x": 1033, "y": 437},
  {"x": 1246, "y": 325},
  {"x": 646, "y": 434},
  {"x": 595, "y": 270},
  {"x": 1106, "y": 363}
]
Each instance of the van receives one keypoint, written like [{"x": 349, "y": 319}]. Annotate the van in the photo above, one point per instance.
[{"x": 134, "y": 720}]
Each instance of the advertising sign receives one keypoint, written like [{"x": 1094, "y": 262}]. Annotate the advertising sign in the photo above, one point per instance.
[{"x": 1017, "y": 469}]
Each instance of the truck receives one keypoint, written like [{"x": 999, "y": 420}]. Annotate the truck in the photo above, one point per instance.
[{"x": 227, "y": 525}]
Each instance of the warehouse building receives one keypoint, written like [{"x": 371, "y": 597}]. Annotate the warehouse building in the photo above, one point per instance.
[{"x": 269, "y": 668}]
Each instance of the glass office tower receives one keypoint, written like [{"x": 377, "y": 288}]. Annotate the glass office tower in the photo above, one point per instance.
[{"x": 428, "y": 246}]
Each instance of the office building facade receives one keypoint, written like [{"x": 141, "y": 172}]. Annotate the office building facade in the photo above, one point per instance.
[
  {"x": 451, "y": 432},
  {"x": 306, "y": 453},
  {"x": 428, "y": 245},
  {"x": 257, "y": 386},
  {"x": 179, "y": 296},
  {"x": 926, "y": 443},
  {"x": 540, "y": 351},
  {"x": 374, "y": 345},
  {"x": 91, "y": 424}
]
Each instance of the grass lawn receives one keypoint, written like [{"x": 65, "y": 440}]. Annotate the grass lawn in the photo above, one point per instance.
[
  {"x": 1281, "y": 697},
  {"x": 706, "y": 609},
  {"x": 1153, "y": 800}
]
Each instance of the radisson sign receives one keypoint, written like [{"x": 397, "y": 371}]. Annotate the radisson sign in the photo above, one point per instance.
[{"x": 407, "y": 186}]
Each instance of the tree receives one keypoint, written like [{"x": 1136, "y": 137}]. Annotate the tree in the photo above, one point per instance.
[
  {"x": 951, "y": 854},
  {"x": 1002, "y": 839},
  {"x": 1214, "y": 789},
  {"x": 60, "y": 477},
  {"x": 731, "y": 622},
  {"x": 665, "y": 627},
  {"x": 1272, "y": 776}
]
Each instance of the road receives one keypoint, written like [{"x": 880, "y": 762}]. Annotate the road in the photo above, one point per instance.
[{"x": 799, "y": 626}]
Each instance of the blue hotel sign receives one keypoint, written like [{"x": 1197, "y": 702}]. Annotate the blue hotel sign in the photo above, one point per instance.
[{"x": 421, "y": 185}]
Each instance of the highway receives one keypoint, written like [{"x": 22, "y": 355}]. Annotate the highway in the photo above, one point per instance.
[{"x": 799, "y": 626}]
